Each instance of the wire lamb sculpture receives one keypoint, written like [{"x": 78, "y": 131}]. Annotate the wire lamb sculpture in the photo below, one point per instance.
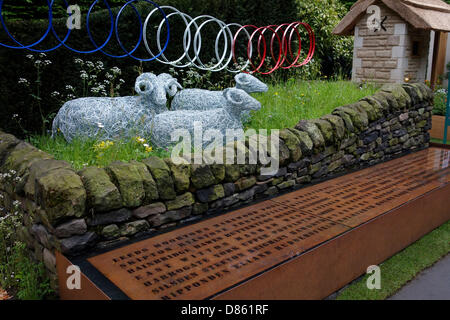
[
  {"x": 227, "y": 117},
  {"x": 147, "y": 113},
  {"x": 116, "y": 118},
  {"x": 199, "y": 99}
]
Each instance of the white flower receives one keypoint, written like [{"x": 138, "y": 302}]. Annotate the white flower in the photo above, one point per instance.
[
  {"x": 116, "y": 70},
  {"x": 100, "y": 125},
  {"x": 23, "y": 81},
  {"x": 84, "y": 75},
  {"x": 55, "y": 94},
  {"x": 99, "y": 65},
  {"x": 90, "y": 64},
  {"x": 30, "y": 56},
  {"x": 69, "y": 87}
]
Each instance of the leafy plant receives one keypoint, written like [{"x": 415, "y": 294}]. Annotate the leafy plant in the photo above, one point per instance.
[
  {"x": 334, "y": 52},
  {"x": 440, "y": 102},
  {"x": 17, "y": 270}
]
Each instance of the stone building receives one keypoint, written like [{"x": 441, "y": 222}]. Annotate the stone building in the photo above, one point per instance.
[{"x": 394, "y": 39}]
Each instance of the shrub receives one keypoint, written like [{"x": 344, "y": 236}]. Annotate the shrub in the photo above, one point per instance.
[
  {"x": 334, "y": 52},
  {"x": 16, "y": 101},
  {"x": 18, "y": 271},
  {"x": 440, "y": 102}
]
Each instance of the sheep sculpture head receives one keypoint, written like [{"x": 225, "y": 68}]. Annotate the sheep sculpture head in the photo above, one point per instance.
[
  {"x": 170, "y": 84},
  {"x": 154, "y": 90},
  {"x": 249, "y": 83},
  {"x": 239, "y": 101}
]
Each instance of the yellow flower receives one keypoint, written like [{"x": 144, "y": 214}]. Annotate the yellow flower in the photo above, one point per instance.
[
  {"x": 140, "y": 140},
  {"x": 148, "y": 148},
  {"x": 103, "y": 145}
]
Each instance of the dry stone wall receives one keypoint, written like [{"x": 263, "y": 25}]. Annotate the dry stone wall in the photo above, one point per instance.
[{"x": 72, "y": 211}]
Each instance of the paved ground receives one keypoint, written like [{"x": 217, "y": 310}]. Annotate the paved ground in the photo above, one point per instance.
[{"x": 431, "y": 284}]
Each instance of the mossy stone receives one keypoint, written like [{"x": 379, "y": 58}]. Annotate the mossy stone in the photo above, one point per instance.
[
  {"x": 245, "y": 183},
  {"x": 102, "y": 194},
  {"x": 202, "y": 176},
  {"x": 150, "y": 187},
  {"x": 162, "y": 176},
  {"x": 314, "y": 133},
  {"x": 185, "y": 200},
  {"x": 39, "y": 169},
  {"x": 338, "y": 126},
  {"x": 306, "y": 144},
  {"x": 7, "y": 142},
  {"x": 181, "y": 174},
  {"x": 326, "y": 129},
  {"x": 131, "y": 228},
  {"x": 372, "y": 112},
  {"x": 61, "y": 194},
  {"x": 396, "y": 90},
  {"x": 358, "y": 116},
  {"x": 128, "y": 180},
  {"x": 111, "y": 232},
  {"x": 232, "y": 172},
  {"x": 293, "y": 143}
]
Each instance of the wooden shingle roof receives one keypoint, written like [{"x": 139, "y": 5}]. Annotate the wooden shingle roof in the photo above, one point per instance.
[{"x": 421, "y": 14}]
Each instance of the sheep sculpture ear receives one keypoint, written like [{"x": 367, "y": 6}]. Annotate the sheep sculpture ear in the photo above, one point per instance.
[
  {"x": 143, "y": 87},
  {"x": 242, "y": 79},
  {"x": 173, "y": 87},
  {"x": 234, "y": 96}
]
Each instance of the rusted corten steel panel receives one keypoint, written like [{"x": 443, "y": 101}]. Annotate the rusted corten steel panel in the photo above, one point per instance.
[
  {"x": 201, "y": 260},
  {"x": 228, "y": 256},
  {"x": 327, "y": 268},
  {"x": 357, "y": 198}
]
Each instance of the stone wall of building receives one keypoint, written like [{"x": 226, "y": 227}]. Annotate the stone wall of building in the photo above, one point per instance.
[
  {"x": 387, "y": 55},
  {"x": 73, "y": 212}
]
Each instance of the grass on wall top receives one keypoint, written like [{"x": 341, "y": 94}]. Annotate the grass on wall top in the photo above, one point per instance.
[
  {"x": 285, "y": 104},
  {"x": 282, "y": 107}
]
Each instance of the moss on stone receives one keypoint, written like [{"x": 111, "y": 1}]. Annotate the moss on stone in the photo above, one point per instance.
[
  {"x": 338, "y": 124},
  {"x": 326, "y": 129},
  {"x": 202, "y": 176},
  {"x": 162, "y": 176},
  {"x": 128, "y": 180},
  {"x": 181, "y": 174},
  {"x": 150, "y": 187},
  {"x": 314, "y": 133},
  {"x": 293, "y": 143},
  {"x": 102, "y": 194},
  {"x": 184, "y": 200},
  {"x": 61, "y": 194}
]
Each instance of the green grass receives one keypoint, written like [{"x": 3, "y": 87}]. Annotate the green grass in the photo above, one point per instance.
[
  {"x": 439, "y": 141},
  {"x": 288, "y": 103},
  {"x": 84, "y": 153},
  {"x": 283, "y": 106},
  {"x": 403, "y": 267}
]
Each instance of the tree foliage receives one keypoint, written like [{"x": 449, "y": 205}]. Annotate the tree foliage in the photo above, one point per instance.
[{"x": 335, "y": 52}]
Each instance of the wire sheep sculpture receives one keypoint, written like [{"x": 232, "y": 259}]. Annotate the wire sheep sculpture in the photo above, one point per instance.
[
  {"x": 228, "y": 117},
  {"x": 116, "y": 118},
  {"x": 199, "y": 99}
]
